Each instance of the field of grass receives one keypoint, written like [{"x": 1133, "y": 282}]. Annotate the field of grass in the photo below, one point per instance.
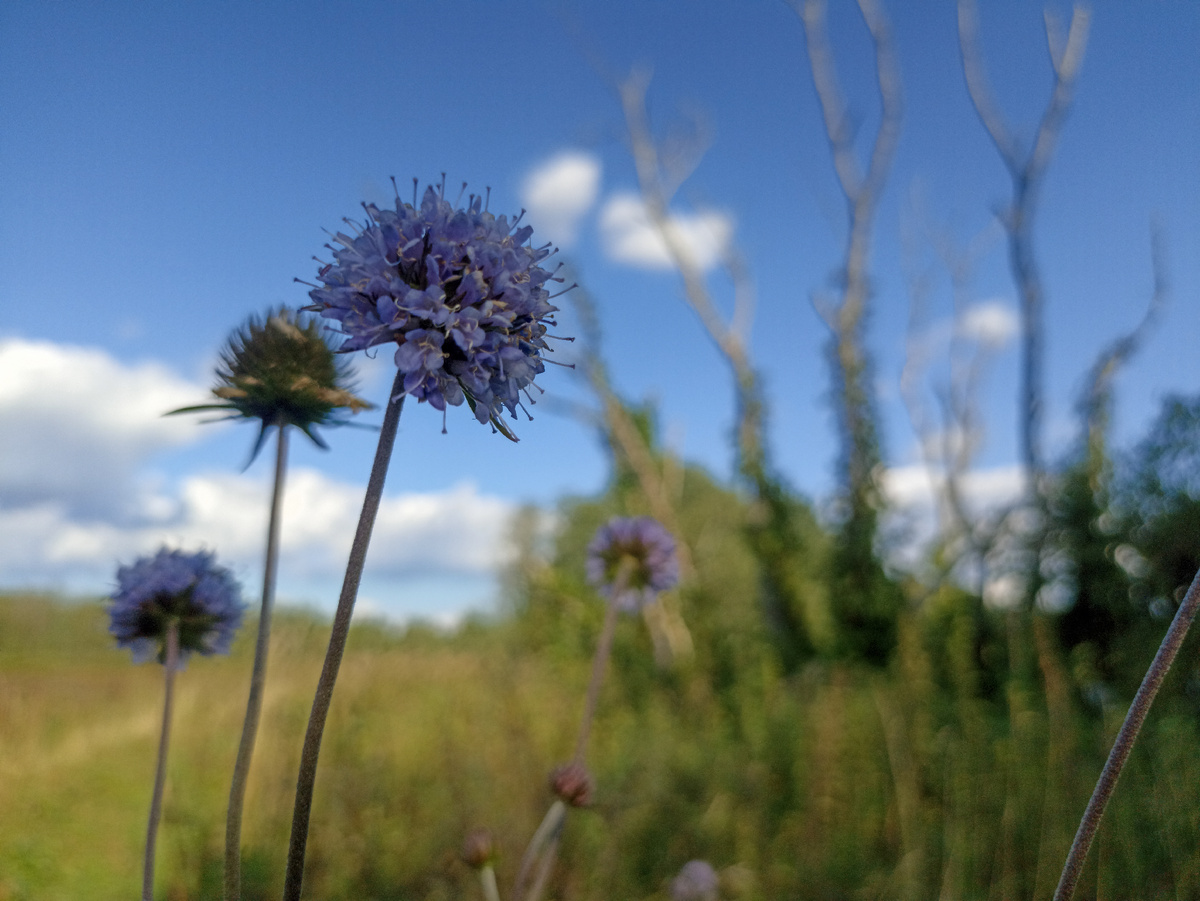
[
  {"x": 413, "y": 756},
  {"x": 832, "y": 784}
]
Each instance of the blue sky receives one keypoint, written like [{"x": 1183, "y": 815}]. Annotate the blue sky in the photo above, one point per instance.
[{"x": 167, "y": 170}]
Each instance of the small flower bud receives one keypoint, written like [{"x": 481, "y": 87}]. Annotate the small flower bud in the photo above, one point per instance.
[
  {"x": 572, "y": 784},
  {"x": 478, "y": 849}
]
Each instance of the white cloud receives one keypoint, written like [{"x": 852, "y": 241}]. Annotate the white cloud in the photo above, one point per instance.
[
  {"x": 78, "y": 423},
  {"x": 914, "y": 496},
  {"x": 906, "y": 486},
  {"x": 559, "y": 192},
  {"x": 982, "y": 489},
  {"x": 76, "y": 497},
  {"x": 630, "y": 237},
  {"x": 992, "y": 323},
  {"x": 458, "y": 531}
]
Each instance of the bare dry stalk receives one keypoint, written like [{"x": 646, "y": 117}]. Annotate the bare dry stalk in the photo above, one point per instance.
[
  {"x": 1027, "y": 170},
  {"x": 1096, "y": 401},
  {"x": 730, "y": 335},
  {"x": 861, "y": 190},
  {"x": 772, "y": 526},
  {"x": 950, "y": 438}
]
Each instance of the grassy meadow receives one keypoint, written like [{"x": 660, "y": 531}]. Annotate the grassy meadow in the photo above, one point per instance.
[{"x": 934, "y": 777}]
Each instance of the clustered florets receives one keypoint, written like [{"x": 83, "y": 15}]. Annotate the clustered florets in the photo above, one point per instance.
[
  {"x": 631, "y": 559},
  {"x": 203, "y": 598},
  {"x": 459, "y": 290}
]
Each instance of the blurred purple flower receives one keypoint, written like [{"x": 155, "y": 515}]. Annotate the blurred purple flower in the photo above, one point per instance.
[
  {"x": 697, "y": 881},
  {"x": 459, "y": 290},
  {"x": 191, "y": 589},
  {"x": 650, "y": 551}
]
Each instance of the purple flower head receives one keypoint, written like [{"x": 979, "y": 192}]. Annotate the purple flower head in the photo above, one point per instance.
[
  {"x": 460, "y": 291},
  {"x": 644, "y": 549},
  {"x": 191, "y": 589},
  {"x": 697, "y": 881}
]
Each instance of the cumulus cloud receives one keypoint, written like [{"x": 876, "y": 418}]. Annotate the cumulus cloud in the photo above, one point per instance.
[
  {"x": 983, "y": 489},
  {"x": 77, "y": 498},
  {"x": 559, "y": 192},
  {"x": 458, "y": 531},
  {"x": 630, "y": 237},
  {"x": 78, "y": 423},
  {"x": 992, "y": 323}
]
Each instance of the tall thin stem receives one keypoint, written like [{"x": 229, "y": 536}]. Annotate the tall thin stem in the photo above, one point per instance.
[
  {"x": 258, "y": 680},
  {"x": 545, "y": 867},
  {"x": 1121, "y": 748},
  {"x": 550, "y": 826},
  {"x": 306, "y": 781},
  {"x": 600, "y": 661},
  {"x": 160, "y": 773},
  {"x": 543, "y": 845}
]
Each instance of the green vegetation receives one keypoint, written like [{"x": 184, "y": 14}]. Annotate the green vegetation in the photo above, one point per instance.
[{"x": 958, "y": 769}]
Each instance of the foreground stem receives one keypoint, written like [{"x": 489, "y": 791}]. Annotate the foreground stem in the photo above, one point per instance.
[
  {"x": 258, "y": 679},
  {"x": 337, "y": 644},
  {"x": 1125, "y": 738},
  {"x": 160, "y": 774}
]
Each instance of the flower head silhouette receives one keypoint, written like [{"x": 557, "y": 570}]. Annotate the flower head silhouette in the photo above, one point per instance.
[{"x": 283, "y": 370}]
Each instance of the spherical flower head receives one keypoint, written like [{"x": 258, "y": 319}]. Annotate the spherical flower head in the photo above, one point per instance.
[
  {"x": 190, "y": 589},
  {"x": 284, "y": 370},
  {"x": 638, "y": 551},
  {"x": 458, "y": 290},
  {"x": 697, "y": 881}
]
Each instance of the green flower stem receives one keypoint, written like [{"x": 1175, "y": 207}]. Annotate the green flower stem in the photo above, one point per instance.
[
  {"x": 487, "y": 879},
  {"x": 545, "y": 866},
  {"x": 1125, "y": 738},
  {"x": 544, "y": 844},
  {"x": 258, "y": 679},
  {"x": 294, "y": 875},
  {"x": 549, "y": 827},
  {"x": 160, "y": 774},
  {"x": 600, "y": 661}
]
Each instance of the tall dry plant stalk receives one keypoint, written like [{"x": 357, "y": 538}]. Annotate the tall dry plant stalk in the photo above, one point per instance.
[
  {"x": 868, "y": 604},
  {"x": 773, "y": 534},
  {"x": 1027, "y": 168}
]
